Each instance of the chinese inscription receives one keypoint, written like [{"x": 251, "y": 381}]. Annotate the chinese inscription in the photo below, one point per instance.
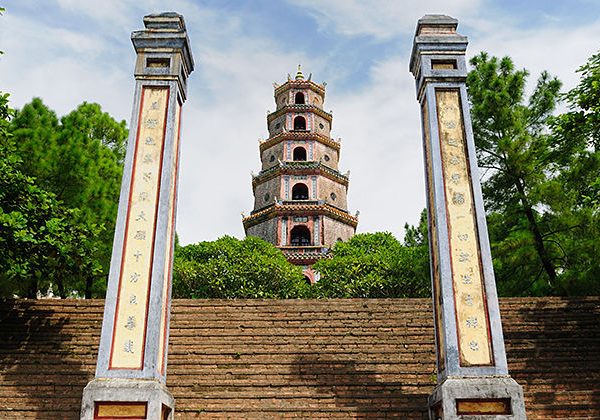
[
  {"x": 471, "y": 312},
  {"x": 130, "y": 319}
]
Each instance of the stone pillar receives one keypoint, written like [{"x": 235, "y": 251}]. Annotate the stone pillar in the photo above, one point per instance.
[
  {"x": 472, "y": 374},
  {"x": 132, "y": 358}
]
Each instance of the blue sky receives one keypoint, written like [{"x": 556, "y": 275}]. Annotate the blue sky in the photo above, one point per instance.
[{"x": 68, "y": 51}]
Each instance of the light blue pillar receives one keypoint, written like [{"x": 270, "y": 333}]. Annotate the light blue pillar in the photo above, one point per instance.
[
  {"x": 132, "y": 357},
  {"x": 472, "y": 375}
]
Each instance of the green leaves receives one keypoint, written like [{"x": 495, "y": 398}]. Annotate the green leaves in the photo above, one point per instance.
[
  {"x": 233, "y": 268},
  {"x": 39, "y": 240},
  {"x": 540, "y": 177},
  {"x": 376, "y": 265},
  {"x": 59, "y": 197},
  {"x": 369, "y": 265}
]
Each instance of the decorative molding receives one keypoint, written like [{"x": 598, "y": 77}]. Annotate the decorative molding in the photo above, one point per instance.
[
  {"x": 289, "y": 209},
  {"x": 296, "y": 135}
]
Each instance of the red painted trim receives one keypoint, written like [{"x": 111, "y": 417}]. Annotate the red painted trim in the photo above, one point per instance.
[
  {"x": 160, "y": 166},
  {"x": 449, "y": 228},
  {"x": 278, "y": 232},
  {"x": 475, "y": 224},
  {"x": 284, "y": 149},
  {"x": 143, "y": 349}
]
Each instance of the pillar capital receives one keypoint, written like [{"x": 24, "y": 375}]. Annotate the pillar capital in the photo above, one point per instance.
[
  {"x": 438, "y": 51},
  {"x": 163, "y": 50}
]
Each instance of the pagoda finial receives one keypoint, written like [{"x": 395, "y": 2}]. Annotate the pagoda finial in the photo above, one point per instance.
[{"x": 299, "y": 75}]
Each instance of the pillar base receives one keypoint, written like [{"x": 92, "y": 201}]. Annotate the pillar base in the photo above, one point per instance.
[
  {"x": 490, "y": 398},
  {"x": 127, "y": 398}
]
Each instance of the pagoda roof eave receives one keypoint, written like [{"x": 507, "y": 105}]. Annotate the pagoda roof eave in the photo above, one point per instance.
[
  {"x": 296, "y": 135},
  {"x": 299, "y": 108},
  {"x": 299, "y": 84},
  {"x": 293, "y": 168},
  {"x": 285, "y": 209}
]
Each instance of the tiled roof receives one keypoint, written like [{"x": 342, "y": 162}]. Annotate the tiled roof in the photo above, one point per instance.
[
  {"x": 299, "y": 108},
  {"x": 300, "y": 84},
  {"x": 346, "y": 358},
  {"x": 300, "y": 168},
  {"x": 293, "y": 207},
  {"x": 296, "y": 135},
  {"x": 305, "y": 254}
]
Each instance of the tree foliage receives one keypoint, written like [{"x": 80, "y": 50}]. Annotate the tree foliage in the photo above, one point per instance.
[
  {"x": 536, "y": 228},
  {"x": 79, "y": 159},
  {"x": 377, "y": 265},
  {"x": 62, "y": 185},
  {"x": 60, "y": 179},
  {"x": 576, "y": 134},
  {"x": 40, "y": 242},
  {"x": 233, "y": 268}
]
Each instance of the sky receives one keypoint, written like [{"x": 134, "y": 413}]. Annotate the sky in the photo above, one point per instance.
[{"x": 70, "y": 51}]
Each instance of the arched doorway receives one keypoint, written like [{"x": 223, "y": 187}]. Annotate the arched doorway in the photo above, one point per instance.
[
  {"x": 299, "y": 123},
  {"x": 300, "y": 192},
  {"x": 299, "y": 98},
  {"x": 300, "y": 236},
  {"x": 299, "y": 154}
]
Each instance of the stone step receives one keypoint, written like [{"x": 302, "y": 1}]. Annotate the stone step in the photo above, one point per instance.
[{"x": 262, "y": 359}]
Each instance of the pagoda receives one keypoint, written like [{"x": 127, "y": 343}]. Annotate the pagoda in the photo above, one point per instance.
[{"x": 300, "y": 203}]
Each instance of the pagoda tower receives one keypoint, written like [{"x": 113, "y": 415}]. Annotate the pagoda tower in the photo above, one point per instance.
[{"x": 300, "y": 203}]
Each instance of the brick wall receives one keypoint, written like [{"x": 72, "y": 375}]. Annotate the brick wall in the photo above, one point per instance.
[{"x": 346, "y": 358}]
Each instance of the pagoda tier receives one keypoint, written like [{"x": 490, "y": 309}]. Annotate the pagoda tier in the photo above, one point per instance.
[{"x": 300, "y": 202}]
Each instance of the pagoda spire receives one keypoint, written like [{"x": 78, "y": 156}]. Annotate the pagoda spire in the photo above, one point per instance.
[{"x": 299, "y": 75}]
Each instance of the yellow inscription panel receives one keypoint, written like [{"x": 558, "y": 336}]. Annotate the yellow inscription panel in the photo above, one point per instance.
[
  {"x": 107, "y": 410},
  {"x": 441, "y": 354},
  {"x": 469, "y": 293},
  {"x": 129, "y": 334},
  {"x": 169, "y": 257},
  {"x": 483, "y": 407}
]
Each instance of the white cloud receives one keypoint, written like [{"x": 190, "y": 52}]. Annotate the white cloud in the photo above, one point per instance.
[
  {"x": 560, "y": 50},
  {"x": 63, "y": 67},
  {"x": 380, "y": 18},
  {"x": 230, "y": 92},
  {"x": 115, "y": 13},
  {"x": 381, "y": 145},
  {"x": 221, "y": 132}
]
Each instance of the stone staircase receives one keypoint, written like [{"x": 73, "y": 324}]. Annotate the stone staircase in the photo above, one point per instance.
[{"x": 309, "y": 359}]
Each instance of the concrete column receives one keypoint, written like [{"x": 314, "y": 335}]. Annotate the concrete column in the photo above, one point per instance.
[
  {"x": 473, "y": 378},
  {"x": 132, "y": 358}
]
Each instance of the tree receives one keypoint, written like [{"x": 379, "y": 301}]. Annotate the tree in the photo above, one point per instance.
[
  {"x": 576, "y": 134},
  {"x": 59, "y": 186},
  {"x": 233, "y": 268},
  {"x": 515, "y": 150},
  {"x": 377, "y": 265},
  {"x": 40, "y": 244},
  {"x": 79, "y": 159}
]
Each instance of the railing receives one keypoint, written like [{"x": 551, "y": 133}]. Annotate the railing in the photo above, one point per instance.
[
  {"x": 307, "y": 202},
  {"x": 305, "y": 249}
]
